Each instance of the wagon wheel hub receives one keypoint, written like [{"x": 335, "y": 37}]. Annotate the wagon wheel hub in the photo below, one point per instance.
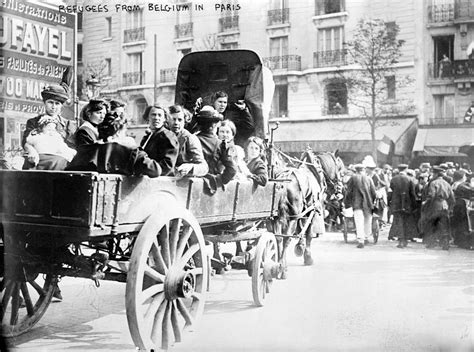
[
  {"x": 270, "y": 270},
  {"x": 180, "y": 284}
]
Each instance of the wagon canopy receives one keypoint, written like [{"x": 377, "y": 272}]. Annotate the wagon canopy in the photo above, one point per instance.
[{"x": 239, "y": 73}]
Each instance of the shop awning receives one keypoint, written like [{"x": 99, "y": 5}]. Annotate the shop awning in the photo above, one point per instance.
[
  {"x": 345, "y": 134},
  {"x": 442, "y": 141}
]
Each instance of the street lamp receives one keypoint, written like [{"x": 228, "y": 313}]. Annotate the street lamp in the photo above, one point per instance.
[{"x": 93, "y": 87}]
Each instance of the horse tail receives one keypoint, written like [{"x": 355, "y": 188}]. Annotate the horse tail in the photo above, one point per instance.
[{"x": 283, "y": 212}]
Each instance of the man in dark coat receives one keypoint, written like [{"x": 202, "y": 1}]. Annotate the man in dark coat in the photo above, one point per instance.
[
  {"x": 402, "y": 205},
  {"x": 463, "y": 193},
  {"x": 159, "y": 143},
  {"x": 360, "y": 196},
  {"x": 438, "y": 200}
]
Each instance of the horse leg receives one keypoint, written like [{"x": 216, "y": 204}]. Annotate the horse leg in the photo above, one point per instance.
[{"x": 283, "y": 261}]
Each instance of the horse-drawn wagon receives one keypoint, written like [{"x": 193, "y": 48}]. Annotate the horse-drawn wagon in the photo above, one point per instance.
[{"x": 150, "y": 233}]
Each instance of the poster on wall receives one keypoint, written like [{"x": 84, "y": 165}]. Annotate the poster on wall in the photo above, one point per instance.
[{"x": 37, "y": 44}]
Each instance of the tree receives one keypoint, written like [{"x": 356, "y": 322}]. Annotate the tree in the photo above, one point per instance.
[{"x": 374, "y": 50}]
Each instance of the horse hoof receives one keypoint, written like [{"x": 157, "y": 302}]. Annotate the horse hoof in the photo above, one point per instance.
[
  {"x": 299, "y": 250},
  {"x": 307, "y": 259},
  {"x": 284, "y": 275}
]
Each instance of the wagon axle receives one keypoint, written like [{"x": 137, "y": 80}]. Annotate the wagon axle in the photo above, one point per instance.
[{"x": 180, "y": 284}]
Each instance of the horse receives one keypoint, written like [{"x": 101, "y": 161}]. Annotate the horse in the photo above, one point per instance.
[
  {"x": 333, "y": 169},
  {"x": 300, "y": 208}
]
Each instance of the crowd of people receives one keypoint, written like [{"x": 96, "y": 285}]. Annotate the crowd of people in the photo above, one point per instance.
[
  {"x": 176, "y": 142},
  {"x": 429, "y": 202}
]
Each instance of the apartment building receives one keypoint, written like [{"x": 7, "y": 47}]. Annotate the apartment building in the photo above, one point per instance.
[
  {"x": 301, "y": 41},
  {"x": 447, "y": 66}
]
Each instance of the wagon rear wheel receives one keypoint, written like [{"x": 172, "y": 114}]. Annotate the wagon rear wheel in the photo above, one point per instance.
[
  {"x": 264, "y": 267},
  {"x": 167, "y": 280},
  {"x": 25, "y": 294},
  {"x": 345, "y": 230}
]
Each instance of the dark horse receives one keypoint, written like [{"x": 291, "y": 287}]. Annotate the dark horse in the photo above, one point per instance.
[{"x": 301, "y": 212}]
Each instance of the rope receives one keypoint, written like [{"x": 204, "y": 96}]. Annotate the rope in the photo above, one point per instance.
[{"x": 294, "y": 160}]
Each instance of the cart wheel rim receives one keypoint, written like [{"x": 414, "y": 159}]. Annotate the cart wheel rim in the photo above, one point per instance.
[
  {"x": 167, "y": 280},
  {"x": 264, "y": 265}
]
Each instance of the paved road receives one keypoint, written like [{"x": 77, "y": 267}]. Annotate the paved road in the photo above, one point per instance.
[{"x": 379, "y": 298}]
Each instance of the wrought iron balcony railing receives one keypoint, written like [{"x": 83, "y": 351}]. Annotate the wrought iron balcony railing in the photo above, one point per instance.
[
  {"x": 227, "y": 24},
  {"x": 134, "y": 35},
  {"x": 280, "y": 16},
  {"x": 452, "y": 70},
  {"x": 285, "y": 62},
  {"x": 133, "y": 78},
  {"x": 184, "y": 30},
  {"x": 168, "y": 75},
  {"x": 445, "y": 121},
  {"x": 330, "y": 58},
  {"x": 464, "y": 10},
  {"x": 441, "y": 13}
]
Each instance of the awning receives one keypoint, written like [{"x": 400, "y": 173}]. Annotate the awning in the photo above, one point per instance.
[
  {"x": 345, "y": 134},
  {"x": 443, "y": 141}
]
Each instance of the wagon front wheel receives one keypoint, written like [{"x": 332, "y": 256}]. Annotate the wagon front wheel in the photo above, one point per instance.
[
  {"x": 167, "y": 280},
  {"x": 265, "y": 267}
]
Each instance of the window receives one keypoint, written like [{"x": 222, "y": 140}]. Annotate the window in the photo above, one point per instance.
[
  {"x": 391, "y": 28},
  {"x": 443, "y": 108},
  {"x": 184, "y": 51},
  {"x": 279, "y": 4},
  {"x": 330, "y": 38},
  {"x": 135, "y": 62},
  {"x": 279, "y": 52},
  {"x": 391, "y": 87},
  {"x": 79, "y": 21},
  {"x": 135, "y": 19},
  {"x": 336, "y": 98},
  {"x": 108, "y": 67},
  {"x": 229, "y": 46},
  {"x": 79, "y": 52},
  {"x": 324, "y": 7},
  {"x": 108, "y": 27},
  {"x": 280, "y": 101}
]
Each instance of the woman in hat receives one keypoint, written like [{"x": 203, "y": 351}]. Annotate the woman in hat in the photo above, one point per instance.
[
  {"x": 54, "y": 96},
  {"x": 159, "y": 143},
  {"x": 93, "y": 114}
]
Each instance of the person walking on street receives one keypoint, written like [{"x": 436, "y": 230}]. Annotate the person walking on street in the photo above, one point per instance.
[
  {"x": 438, "y": 201},
  {"x": 402, "y": 203},
  {"x": 360, "y": 196}
]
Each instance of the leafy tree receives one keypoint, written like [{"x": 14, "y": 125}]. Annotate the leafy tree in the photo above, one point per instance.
[{"x": 374, "y": 50}]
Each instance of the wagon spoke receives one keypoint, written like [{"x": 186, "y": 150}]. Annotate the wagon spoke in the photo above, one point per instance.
[
  {"x": 174, "y": 237},
  {"x": 164, "y": 241},
  {"x": 6, "y": 297},
  {"x": 175, "y": 322},
  {"x": 156, "y": 329},
  {"x": 165, "y": 331},
  {"x": 37, "y": 287},
  {"x": 183, "y": 241},
  {"x": 184, "y": 312},
  {"x": 197, "y": 295},
  {"x": 196, "y": 271},
  {"x": 153, "y": 307},
  {"x": 15, "y": 304},
  {"x": 156, "y": 253},
  {"x": 152, "y": 291},
  {"x": 155, "y": 275},
  {"x": 26, "y": 296},
  {"x": 186, "y": 256}
]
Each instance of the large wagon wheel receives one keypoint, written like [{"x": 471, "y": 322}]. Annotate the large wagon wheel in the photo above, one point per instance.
[
  {"x": 25, "y": 294},
  {"x": 264, "y": 267},
  {"x": 167, "y": 279},
  {"x": 345, "y": 229}
]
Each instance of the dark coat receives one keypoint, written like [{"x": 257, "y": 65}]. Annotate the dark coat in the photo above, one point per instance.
[
  {"x": 86, "y": 134},
  {"x": 65, "y": 127},
  {"x": 360, "y": 193},
  {"x": 218, "y": 156},
  {"x": 259, "y": 171},
  {"x": 114, "y": 158},
  {"x": 162, "y": 145},
  {"x": 403, "y": 197},
  {"x": 243, "y": 121},
  {"x": 190, "y": 151}
]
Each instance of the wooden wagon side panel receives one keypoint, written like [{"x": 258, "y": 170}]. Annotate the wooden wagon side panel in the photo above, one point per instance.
[{"x": 254, "y": 201}]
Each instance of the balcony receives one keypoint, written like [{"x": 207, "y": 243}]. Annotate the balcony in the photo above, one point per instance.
[
  {"x": 464, "y": 11},
  {"x": 134, "y": 35},
  {"x": 168, "y": 75},
  {"x": 330, "y": 58},
  {"x": 441, "y": 13},
  {"x": 278, "y": 17},
  {"x": 458, "y": 69},
  {"x": 328, "y": 7},
  {"x": 445, "y": 121},
  {"x": 133, "y": 78},
  {"x": 184, "y": 30},
  {"x": 228, "y": 24},
  {"x": 284, "y": 62}
]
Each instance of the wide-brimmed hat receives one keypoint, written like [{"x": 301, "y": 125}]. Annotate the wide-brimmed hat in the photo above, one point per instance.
[
  {"x": 425, "y": 166},
  {"x": 402, "y": 167},
  {"x": 369, "y": 162},
  {"x": 438, "y": 168},
  {"x": 208, "y": 114},
  {"x": 57, "y": 92}
]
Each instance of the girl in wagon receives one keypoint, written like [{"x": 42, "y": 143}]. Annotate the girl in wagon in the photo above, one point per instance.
[
  {"x": 255, "y": 161},
  {"x": 53, "y": 153}
]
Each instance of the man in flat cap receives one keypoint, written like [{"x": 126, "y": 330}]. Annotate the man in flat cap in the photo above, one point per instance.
[
  {"x": 54, "y": 96},
  {"x": 402, "y": 205},
  {"x": 360, "y": 196},
  {"x": 437, "y": 203}
]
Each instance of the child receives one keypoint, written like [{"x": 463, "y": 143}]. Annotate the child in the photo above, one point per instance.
[
  {"x": 256, "y": 165},
  {"x": 226, "y": 132},
  {"x": 48, "y": 147}
]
